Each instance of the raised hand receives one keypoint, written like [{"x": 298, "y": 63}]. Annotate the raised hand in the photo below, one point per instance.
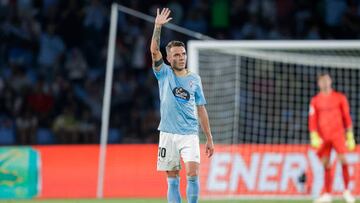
[{"x": 162, "y": 17}]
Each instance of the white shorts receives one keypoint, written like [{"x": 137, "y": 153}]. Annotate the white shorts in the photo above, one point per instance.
[{"x": 172, "y": 146}]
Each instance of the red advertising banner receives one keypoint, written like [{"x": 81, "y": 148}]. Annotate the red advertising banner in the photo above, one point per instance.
[
  {"x": 70, "y": 171},
  {"x": 272, "y": 170}
]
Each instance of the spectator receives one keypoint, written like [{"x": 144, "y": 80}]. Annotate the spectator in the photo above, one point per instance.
[
  {"x": 351, "y": 20},
  {"x": 26, "y": 125},
  {"x": 252, "y": 29},
  {"x": 7, "y": 101},
  {"x": 195, "y": 21},
  {"x": 95, "y": 16},
  {"x": 7, "y": 129},
  {"x": 138, "y": 56},
  {"x": 177, "y": 11},
  {"x": 41, "y": 102},
  {"x": 51, "y": 52},
  {"x": 71, "y": 29},
  {"x": 88, "y": 131},
  {"x": 94, "y": 22},
  {"x": 334, "y": 10},
  {"x": 93, "y": 98},
  {"x": 18, "y": 80},
  {"x": 66, "y": 127},
  {"x": 76, "y": 65}
]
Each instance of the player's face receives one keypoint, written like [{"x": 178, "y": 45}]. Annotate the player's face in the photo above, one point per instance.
[
  {"x": 177, "y": 58},
  {"x": 324, "y": 83}
]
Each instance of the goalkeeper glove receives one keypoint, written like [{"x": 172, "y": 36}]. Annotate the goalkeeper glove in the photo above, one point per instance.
[
  {"x": 350, "y": 141},
  {"x": 315, "y": 140}
]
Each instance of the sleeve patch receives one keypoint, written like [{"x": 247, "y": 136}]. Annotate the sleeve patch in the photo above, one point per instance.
[{"x": 311, "y": 110}]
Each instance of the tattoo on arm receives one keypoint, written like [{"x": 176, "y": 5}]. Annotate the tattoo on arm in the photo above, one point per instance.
[{"x": 156, "y": 37}]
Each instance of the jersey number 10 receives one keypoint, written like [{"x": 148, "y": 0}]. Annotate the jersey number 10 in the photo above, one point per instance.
[{"x": 162, "y": 152}]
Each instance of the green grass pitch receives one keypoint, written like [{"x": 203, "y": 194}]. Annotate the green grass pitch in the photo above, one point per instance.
[{"x": 152, "y": 201}]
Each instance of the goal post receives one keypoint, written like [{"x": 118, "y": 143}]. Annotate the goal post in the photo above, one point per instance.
[{"x": 258, "y": 95}]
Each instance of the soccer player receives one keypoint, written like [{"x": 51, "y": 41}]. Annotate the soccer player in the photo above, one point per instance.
[
  {"x": 329, "y": 124},
  {"x": 181, "y": 103}
]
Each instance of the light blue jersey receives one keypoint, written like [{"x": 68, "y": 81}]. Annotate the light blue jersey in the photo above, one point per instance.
[{"x": 178, "y": 99}]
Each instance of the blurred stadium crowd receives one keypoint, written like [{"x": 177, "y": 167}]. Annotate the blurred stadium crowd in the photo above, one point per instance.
[{"x": 53, "y": 56}]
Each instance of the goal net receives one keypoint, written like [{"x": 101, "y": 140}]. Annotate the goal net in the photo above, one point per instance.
[{"x": 258, "y": 95}]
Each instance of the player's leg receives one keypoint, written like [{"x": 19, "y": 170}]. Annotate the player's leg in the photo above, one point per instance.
[
  {"x": 324, "y": 155},
  {"x": 345, "y": 170},
  {"x": 190, "y": 152},
  {"x": 349, "y": 198},
  {"x": 169, "y": 161},
  {"x": 340, "y": 147},
  {"x": 328, "y": 176},
  {"x": 192, "y": 187},
  {"x": 173, "y": 180}
]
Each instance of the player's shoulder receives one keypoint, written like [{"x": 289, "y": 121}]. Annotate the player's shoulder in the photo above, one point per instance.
[
  {"x": 194, "y": 75},
  {"x": 339, "y": 94},
  {"x": 315, "y": 97},
  {"x": 166, "y": 68}
]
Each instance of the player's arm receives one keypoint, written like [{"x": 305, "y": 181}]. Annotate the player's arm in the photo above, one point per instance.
[
  {"x": 205, "y": 125},
  {"x": 315, "y": 140},
  {"x": 161, "y": 19},
  {"x": 345, "y": 109}
]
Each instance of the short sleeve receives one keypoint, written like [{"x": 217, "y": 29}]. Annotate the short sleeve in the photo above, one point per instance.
[
  {"x": 199, "y": 94},
  {"x": 162, "y": 72}
]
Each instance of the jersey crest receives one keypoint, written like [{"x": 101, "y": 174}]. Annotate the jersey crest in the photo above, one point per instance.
[{"x": 181, "y": 94}]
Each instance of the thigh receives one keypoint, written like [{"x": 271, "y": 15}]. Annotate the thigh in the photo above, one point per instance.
[
  {"x": 339, "y": 144},
  {"x": 168, "y": 155},
  {"x": 324, "y": 150},
  {"x": 189, "y": 148}
]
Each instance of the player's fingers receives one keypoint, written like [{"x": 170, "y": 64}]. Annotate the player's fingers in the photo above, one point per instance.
[
  {"x": 162, "y": 11},
  {"x": 168, "y": 19},
  {"x": 167, "y": 12},
  {"x": 211, "y": 152},
  {"x": 157, "y": 12}
]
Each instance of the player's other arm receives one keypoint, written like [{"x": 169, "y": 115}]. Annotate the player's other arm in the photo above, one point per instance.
[
  {"x": 312, "y": 117},
  {"x": 315, "y": 140},
  {"x": 345, "y": 109},
  {"x": 205, "y": 125},
  {"x": 161, "y": 19}
]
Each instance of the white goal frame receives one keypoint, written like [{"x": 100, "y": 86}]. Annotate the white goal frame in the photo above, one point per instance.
[{"x": 193, "y": 46}]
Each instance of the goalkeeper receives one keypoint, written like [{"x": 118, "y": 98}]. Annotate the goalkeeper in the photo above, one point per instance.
[
  {"x": 182, "y": 107},
  {"x": 330, "y": 127}
]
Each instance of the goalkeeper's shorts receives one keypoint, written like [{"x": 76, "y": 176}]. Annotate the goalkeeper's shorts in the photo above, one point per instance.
[
  {"x": 173, "y": 147},
  {"x": 337, "y": 142}
]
